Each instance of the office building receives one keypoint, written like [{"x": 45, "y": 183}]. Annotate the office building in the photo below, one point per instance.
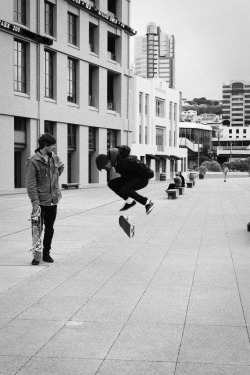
[
  {"x": 155, "y": 55},
  {"x": 232, "y": 140},
  {"x": 65, "y": 70},
  {"x": 156, "y": 133}
]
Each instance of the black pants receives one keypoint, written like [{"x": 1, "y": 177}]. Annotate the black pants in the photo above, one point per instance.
[
  {"x": 48, "y": 217},
  {"x": 127, "y": 188},
  {"x": 171, "y": 186}
]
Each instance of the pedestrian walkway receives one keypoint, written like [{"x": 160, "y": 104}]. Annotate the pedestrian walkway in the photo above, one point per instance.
[{"x": 173, "y": 300}]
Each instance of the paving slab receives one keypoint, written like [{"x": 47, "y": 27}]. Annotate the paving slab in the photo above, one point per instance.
[{"x": 173, "y": 300}]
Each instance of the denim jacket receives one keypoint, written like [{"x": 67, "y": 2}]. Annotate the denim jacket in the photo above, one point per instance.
[{"x": 42, "y": 179}]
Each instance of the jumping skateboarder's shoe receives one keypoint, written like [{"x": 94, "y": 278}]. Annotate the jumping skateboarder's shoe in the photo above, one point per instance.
[
  {"x": 149, "y": 207},
  {"x": 127, "y": 206}
]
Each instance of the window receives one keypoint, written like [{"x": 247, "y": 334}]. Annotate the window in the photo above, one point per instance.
[
  {"x": 146, "y": 135},
  {"x": 49, "y": 127},
  {"x": 159, "y": 108},
  {"x": 48, "y": 71},
  {"x": 112, "y": 38},
  {"x": 48, "y": 18},
  {"x": 170, "y": 111},
  {"x": 111, "y": 138},
  {"x": 72, "y": 29},
  {"x": 93, "y": 38},
  {"x": 159, "y": 139},
  {"x": 92, "y": 139},
  {"x": 19, "y": 66},
  {"x": 71, "y": 137},
  {"x": 146, "y": 104},
  {"x": 140, "y": 102},
  {"x": 20, "y": 11},
  {"x": 71, "y": 80}
]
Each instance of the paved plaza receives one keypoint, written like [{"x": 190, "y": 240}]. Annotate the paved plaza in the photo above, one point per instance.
[{"x": 173, "y": 300}]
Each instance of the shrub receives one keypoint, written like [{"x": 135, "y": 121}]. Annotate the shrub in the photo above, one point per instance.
[{"x": 202, "y": 169}]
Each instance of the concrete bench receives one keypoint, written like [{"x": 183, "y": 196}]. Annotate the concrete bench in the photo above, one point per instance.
[
  {"x": 172, "y": 193},
  {"x": 181, "y": 190},
  {"x": 190, "y": 184},
  {"x": 72, "y": 185}
]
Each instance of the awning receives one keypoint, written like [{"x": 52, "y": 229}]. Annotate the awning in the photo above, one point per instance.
[
  {"x": 175, "y": 157},
  {"x": 164, "y": 157},
  {"x": 150, "y": 156}
]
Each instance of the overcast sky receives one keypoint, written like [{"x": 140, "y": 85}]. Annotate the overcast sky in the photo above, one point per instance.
[{"x": 212, "y": 40}]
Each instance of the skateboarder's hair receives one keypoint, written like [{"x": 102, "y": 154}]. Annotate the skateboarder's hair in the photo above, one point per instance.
[
  {"x": 101, "y": 161},
  {"x": 46, "y": 139}
]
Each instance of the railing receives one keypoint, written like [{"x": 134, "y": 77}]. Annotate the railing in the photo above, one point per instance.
[
  {"x": 187, "y": 143},
  {"x": 111, "y": 56},
  {"x": 234, "y": 147}
]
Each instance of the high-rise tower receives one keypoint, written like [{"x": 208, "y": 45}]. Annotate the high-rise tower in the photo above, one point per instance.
[{"x": 155, "y": 55}]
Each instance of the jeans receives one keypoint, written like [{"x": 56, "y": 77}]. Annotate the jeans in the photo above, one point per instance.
[
  {"x": 48, "y": 217},
  {"x": 127, "y": 188}
]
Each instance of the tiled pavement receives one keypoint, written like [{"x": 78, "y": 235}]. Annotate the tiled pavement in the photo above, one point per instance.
[{"x": 173, "y": 300}]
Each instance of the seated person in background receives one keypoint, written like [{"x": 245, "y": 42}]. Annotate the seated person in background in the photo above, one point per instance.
[
  {"x": 182, "y": 179},
  {"x": 177, "y": 182}
]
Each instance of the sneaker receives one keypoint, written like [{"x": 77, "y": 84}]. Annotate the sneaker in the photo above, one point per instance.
[
  {"x": 149, "y": 207},
  {"x": 127, "y": 206},
  {"x": 47, "y": 258},
  {"x": 35, "y": 262}
]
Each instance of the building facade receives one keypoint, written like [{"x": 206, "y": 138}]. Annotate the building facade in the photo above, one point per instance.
[
  {"x": 66, "y": 71},
  {"x": 156, "y": 135},
  {"x": 236, "y": 104},
  {"x": 155, "y": 55},
  {"x": 197, "y": 139},
  {"x": 233, "y": 138}
]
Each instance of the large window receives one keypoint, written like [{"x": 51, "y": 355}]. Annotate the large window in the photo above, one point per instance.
[
  {"x": 159, "y": 139},
  {"x": 19, "y": 66},
  {"x": 71, "y": 80},
  {"x": 20, "y": 11},
  {"x": 49, "y": 18},
  {"x": 111, "y": 138},
  {"x": 159, "y": 108},
  {"x": 72, "y": 20},
  {"x": 49, "y": 127},
  {"x": 92, "y": 139},
  {"x": 140, "y": 102},
  {"x": 48, "y": 71},
  {"x": 71, "y": 137}
]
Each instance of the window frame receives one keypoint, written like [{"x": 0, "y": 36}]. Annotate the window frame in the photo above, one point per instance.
[
  {"x": 72, "y": 80},
  {"x": 20, "y": 66},
  {"x": 49, "y": 74}
]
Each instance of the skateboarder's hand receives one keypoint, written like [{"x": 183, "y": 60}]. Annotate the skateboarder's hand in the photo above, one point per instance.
[{"x": 35, "y": 208}]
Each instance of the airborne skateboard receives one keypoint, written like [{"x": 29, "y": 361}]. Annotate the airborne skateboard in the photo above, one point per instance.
[
  {"x": 36, "y": 231},
  {"x": 128, "y": 228}
]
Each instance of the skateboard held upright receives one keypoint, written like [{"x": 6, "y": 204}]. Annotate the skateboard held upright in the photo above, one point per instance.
[
  {"x": 36, "y": 230},
  {"x": 128, "y": 228}
]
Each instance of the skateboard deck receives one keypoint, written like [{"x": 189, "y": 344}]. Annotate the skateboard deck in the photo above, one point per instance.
[
  {"x": 128, "y": 228},
  {"x": 36, "y": 231}
]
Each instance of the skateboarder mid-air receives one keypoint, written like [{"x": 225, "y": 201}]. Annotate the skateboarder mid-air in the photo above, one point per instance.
[{"x": 134, "y": 175}]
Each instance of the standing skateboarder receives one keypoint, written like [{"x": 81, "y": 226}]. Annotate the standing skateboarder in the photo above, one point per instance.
[
  {"x": 42, "y": 181},
  {"x": 134, "y": 175}
]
